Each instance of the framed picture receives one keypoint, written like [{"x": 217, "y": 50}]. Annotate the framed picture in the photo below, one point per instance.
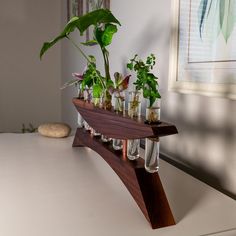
[
  {"x": 203, "y": 52},
  {"x": 91, "y": 5},
  {"x": 74, "y": 8},
  {"x": 81, "y": 7}
]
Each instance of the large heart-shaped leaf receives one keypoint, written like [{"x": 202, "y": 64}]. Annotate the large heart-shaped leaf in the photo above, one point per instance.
[
  {"x": 95, "y": 18},
  {"x": 70, "y": 27},
  {"x": 82, "y": 23}
]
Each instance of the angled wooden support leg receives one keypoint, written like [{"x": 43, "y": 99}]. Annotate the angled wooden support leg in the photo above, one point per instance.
[
  {"x": 156, "y": 203},
  {"x": 77, "y": 142},
  {"x": 145, "y": 188}
]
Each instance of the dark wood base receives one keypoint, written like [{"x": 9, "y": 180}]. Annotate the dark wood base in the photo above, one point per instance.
[{"x": 146, "y": 188}]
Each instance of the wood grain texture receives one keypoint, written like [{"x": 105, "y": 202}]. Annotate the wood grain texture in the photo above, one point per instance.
[
  {"x": 145, "y": 188},
  {"x": 120, "y": 126}
]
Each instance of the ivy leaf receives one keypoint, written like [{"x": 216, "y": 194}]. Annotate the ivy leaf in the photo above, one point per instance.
[
  {"x": 146, "y": 93},
  {"x": 151, "y": 101},
  {"x": 146, "y": 80},
  {"x": 158, "y": 95},
  {"x": 130, "y": 66}
]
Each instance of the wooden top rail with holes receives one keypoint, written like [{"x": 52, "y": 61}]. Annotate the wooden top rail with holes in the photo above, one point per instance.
[{"x": 120, "y": 126}]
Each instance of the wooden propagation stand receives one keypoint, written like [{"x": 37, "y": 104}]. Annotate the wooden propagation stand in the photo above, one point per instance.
[{"x": 145, "y": 188}]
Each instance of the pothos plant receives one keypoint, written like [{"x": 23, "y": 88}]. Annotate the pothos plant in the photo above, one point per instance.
[
  {"x": 146, "y": 80},
  {"x": 105, "y": 26},
  {"x": 91, "y": 77}
]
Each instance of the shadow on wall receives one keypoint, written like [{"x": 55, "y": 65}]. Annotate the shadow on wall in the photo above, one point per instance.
[
  {"x": 153, "y": 35},
  {"x": 207, "y": 134},
  {"x": 183, "y": 198},
  {"x": 206, "y": 139}
]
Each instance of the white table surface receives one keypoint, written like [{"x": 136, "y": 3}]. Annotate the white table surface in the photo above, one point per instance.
[{"x": 48, "y": 188}]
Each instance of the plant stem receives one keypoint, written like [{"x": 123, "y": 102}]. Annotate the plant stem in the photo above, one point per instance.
[
  {"x": 102, "y": 83},
  {"x": 106, "y": 63},
  {"x": 80, "y": 50},
  {"x": 84, "y": 55}
]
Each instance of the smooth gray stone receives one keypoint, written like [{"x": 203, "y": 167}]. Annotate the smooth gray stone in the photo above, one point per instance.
[{"x": 54, "y": 130}]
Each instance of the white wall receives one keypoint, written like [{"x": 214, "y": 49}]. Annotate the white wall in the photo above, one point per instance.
[
  {"x": 70, "y": 63},
  {"x": 207, "y": 126},
  {"x": 29, "y": 88}
]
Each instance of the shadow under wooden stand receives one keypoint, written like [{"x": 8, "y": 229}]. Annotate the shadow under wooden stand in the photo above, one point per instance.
[{"x": 145, "y": 188}]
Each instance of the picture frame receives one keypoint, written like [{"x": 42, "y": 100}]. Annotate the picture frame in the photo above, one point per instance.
[
  {"x": 74, "y": 8},
  {"x": 81, "y": 7},
  {"x": 194, "y": 67}
]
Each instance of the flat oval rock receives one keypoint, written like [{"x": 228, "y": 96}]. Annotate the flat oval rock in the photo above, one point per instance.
[{"x": 54, "y": 130}]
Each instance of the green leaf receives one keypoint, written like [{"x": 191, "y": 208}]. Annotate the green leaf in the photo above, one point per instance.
[
  {"x": 151, "y": 101},
  {"x": 108, "y": 33},
  {"x": 158, "y": 95},
  {"x": 118, "y": 78},
  {"x": 109, "y": 83},
  {"x": 92, "y": 60},
  {"x": 70, "y": 27},
  {"x": 95, "y": 18},
  {"x": 97, "y": 90},
  {"x": 146, "y": 93},
  {"x": 90, "y": 43},
  {"x": 82, "y": 23},
  {"x": 98, "y": 35},
  {"x": 87, "y": 81},
  {"x": 146, "y": 81},
  {"x": 130, "y": 66},
  {"x": 48, "y": 45}
]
